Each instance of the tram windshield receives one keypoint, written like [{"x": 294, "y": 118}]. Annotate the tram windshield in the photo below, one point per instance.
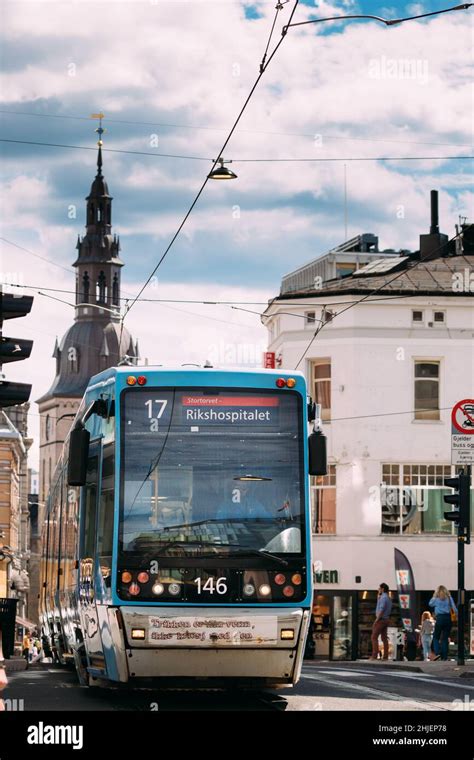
[{"x": 211, "y": 472}]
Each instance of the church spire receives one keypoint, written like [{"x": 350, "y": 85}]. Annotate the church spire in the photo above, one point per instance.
[
  {"x": 98, "y": 262},
  {"x": 100, "y": 130}
]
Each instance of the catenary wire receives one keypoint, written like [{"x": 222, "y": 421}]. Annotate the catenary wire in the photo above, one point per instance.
[
  {"x": 241, "y": 131},
  {"x": 243, "y": 160}
]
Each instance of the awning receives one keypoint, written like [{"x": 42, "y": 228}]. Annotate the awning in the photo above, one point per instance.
[{"x": 25, "y": 623}]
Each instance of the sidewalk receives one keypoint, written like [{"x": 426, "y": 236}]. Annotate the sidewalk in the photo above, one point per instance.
[{"x": 448, "y": 669}]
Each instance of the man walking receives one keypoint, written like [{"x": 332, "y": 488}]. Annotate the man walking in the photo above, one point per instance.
[{"x": 382, "y": 619}]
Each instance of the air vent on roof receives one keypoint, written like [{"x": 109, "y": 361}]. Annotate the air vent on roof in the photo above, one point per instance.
[{"x": 380, "y": 266}]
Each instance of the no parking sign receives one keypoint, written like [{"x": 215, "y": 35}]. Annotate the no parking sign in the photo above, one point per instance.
[{"x": 462, "y": 432}]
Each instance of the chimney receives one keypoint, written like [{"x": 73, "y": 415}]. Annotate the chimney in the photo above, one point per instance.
[
  {"x": 435, "y": 244},
  {"x": 434, "y": 229}
]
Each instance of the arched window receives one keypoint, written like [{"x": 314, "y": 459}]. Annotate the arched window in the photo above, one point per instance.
[
  {"x": 108, "y": 213},
  {"x": 91, "y": 213},
  {"x": 101, "y": 288},
  {"x": 85, "y": 288},
  {"x": 73, "y": 359},
  {"x": 115, "y": 290},
  {"x": 99, "y": 214}
]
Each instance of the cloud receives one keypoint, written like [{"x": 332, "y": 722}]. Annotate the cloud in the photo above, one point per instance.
[{"x": 181, "y": 71}]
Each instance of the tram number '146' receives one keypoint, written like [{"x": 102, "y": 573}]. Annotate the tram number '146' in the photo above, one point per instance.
[{"x": 212, "y": 585}]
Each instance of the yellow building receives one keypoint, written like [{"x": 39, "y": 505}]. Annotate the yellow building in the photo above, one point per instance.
[{"x": 12, "y": 456}]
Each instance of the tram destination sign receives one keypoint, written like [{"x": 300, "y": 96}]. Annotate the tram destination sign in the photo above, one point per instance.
[
  {"x": 462, "y": 432},
  {"x": 229, "y": 410}
]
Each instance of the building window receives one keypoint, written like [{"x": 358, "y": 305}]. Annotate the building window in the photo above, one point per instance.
[
  {"x": 321, "y": 382},
  {"x": 439, "y": 317},
  {"x": 115, "y": 290},
  {"x": 73, "y": 359},
  {"x": 323, "y": 502},
  {"x": 85, "y": 288},
  {"x": 417, "y": 316},
  {"x": 412, "y": 499},
  {"x": 310, "y": 317},
  {"x": 344, "y": 270},
  {"x": 101, "y": 289},
  {"x": 426, "y": 390}
]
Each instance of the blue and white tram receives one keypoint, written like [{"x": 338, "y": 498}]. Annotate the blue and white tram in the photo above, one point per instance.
[{"x": 177, "y": 541}]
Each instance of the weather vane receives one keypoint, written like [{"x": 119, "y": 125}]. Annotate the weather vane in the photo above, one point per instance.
[{"x": 100, "y": 129}]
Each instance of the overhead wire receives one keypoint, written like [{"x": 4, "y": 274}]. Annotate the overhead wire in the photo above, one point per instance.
[
  {"x": 219, "y": 155},
  {"x": 195, "y": 127},
  {"x": 237, "y": 160}
]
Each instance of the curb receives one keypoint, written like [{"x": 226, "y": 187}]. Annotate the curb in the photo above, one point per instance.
[{"x": 457, "y": 671}]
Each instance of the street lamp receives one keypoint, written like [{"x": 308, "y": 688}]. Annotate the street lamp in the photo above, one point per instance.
[{"x": 221, "y": 172}]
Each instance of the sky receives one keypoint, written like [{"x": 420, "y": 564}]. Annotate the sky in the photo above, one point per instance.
[{"x": 171, "y": 78}]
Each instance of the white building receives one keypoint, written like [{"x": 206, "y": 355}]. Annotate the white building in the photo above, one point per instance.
[{"x": 387, "y": 373}]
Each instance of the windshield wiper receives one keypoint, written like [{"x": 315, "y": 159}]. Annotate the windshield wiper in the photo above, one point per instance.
[
  {"x": 261, "y": 553},
  {"x": 193, "y": 543}
]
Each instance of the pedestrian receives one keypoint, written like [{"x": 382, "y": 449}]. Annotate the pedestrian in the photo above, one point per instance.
[
  {"x": 382, "y": 619},
  {"x": 26, "y": 647},
  {"x": 3, "y": 679},
  {"x": 426, "y": 633},
  {"x": 443, "y": 605},
  {"x": 38, "y": 647}
]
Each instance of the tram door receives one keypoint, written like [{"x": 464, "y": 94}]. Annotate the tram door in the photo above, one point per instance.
[{"x": 87, "y": 560}]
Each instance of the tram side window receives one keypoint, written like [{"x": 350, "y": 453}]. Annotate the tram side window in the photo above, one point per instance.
[
  {"x": 53, "y": 545},
  {"x": 68, "y": 535},
  {"x": 106, "y": 514},
  {"x": 90, "y": 508}
]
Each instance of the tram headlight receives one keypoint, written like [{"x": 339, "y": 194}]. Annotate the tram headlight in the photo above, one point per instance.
[
  {"x": 296, "y": 579},
  {"x": 288, "y": 591},
  {"x": 158, "y": 588},
  {"x": 287, "y": 634},
  {"x": 280, "y": 579},
  {"x": 264, "y": 589},
  {"x": 249, "y": 589},
  {"x": 174, "y": 589},
  {"x": 126, "y": 577},
  {"x": 138, "y": 633},
  {"x": 134, "y": 589},
  {"x": 143, "y": 577}
]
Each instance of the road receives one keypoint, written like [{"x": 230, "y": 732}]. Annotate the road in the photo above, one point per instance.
[{"x": 323, "y": 687}]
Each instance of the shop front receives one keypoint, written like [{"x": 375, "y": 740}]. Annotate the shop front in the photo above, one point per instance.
[{"x": 341, "y": 626}]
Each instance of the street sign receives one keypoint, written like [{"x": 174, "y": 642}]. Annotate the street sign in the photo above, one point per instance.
[
  {"x": 269, "y": 359},
  {"x": 462, "y": 432}
]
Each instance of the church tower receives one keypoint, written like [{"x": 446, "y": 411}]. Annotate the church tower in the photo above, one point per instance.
[{"x": 96, "y": 340}]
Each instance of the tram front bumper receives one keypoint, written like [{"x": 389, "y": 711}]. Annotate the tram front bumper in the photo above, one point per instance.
[{"x": 243, "y": 642}]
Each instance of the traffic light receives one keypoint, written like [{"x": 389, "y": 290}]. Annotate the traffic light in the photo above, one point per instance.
[
  {"x": 13, "y": 349},
  {"x": 462, "y": 500}
]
